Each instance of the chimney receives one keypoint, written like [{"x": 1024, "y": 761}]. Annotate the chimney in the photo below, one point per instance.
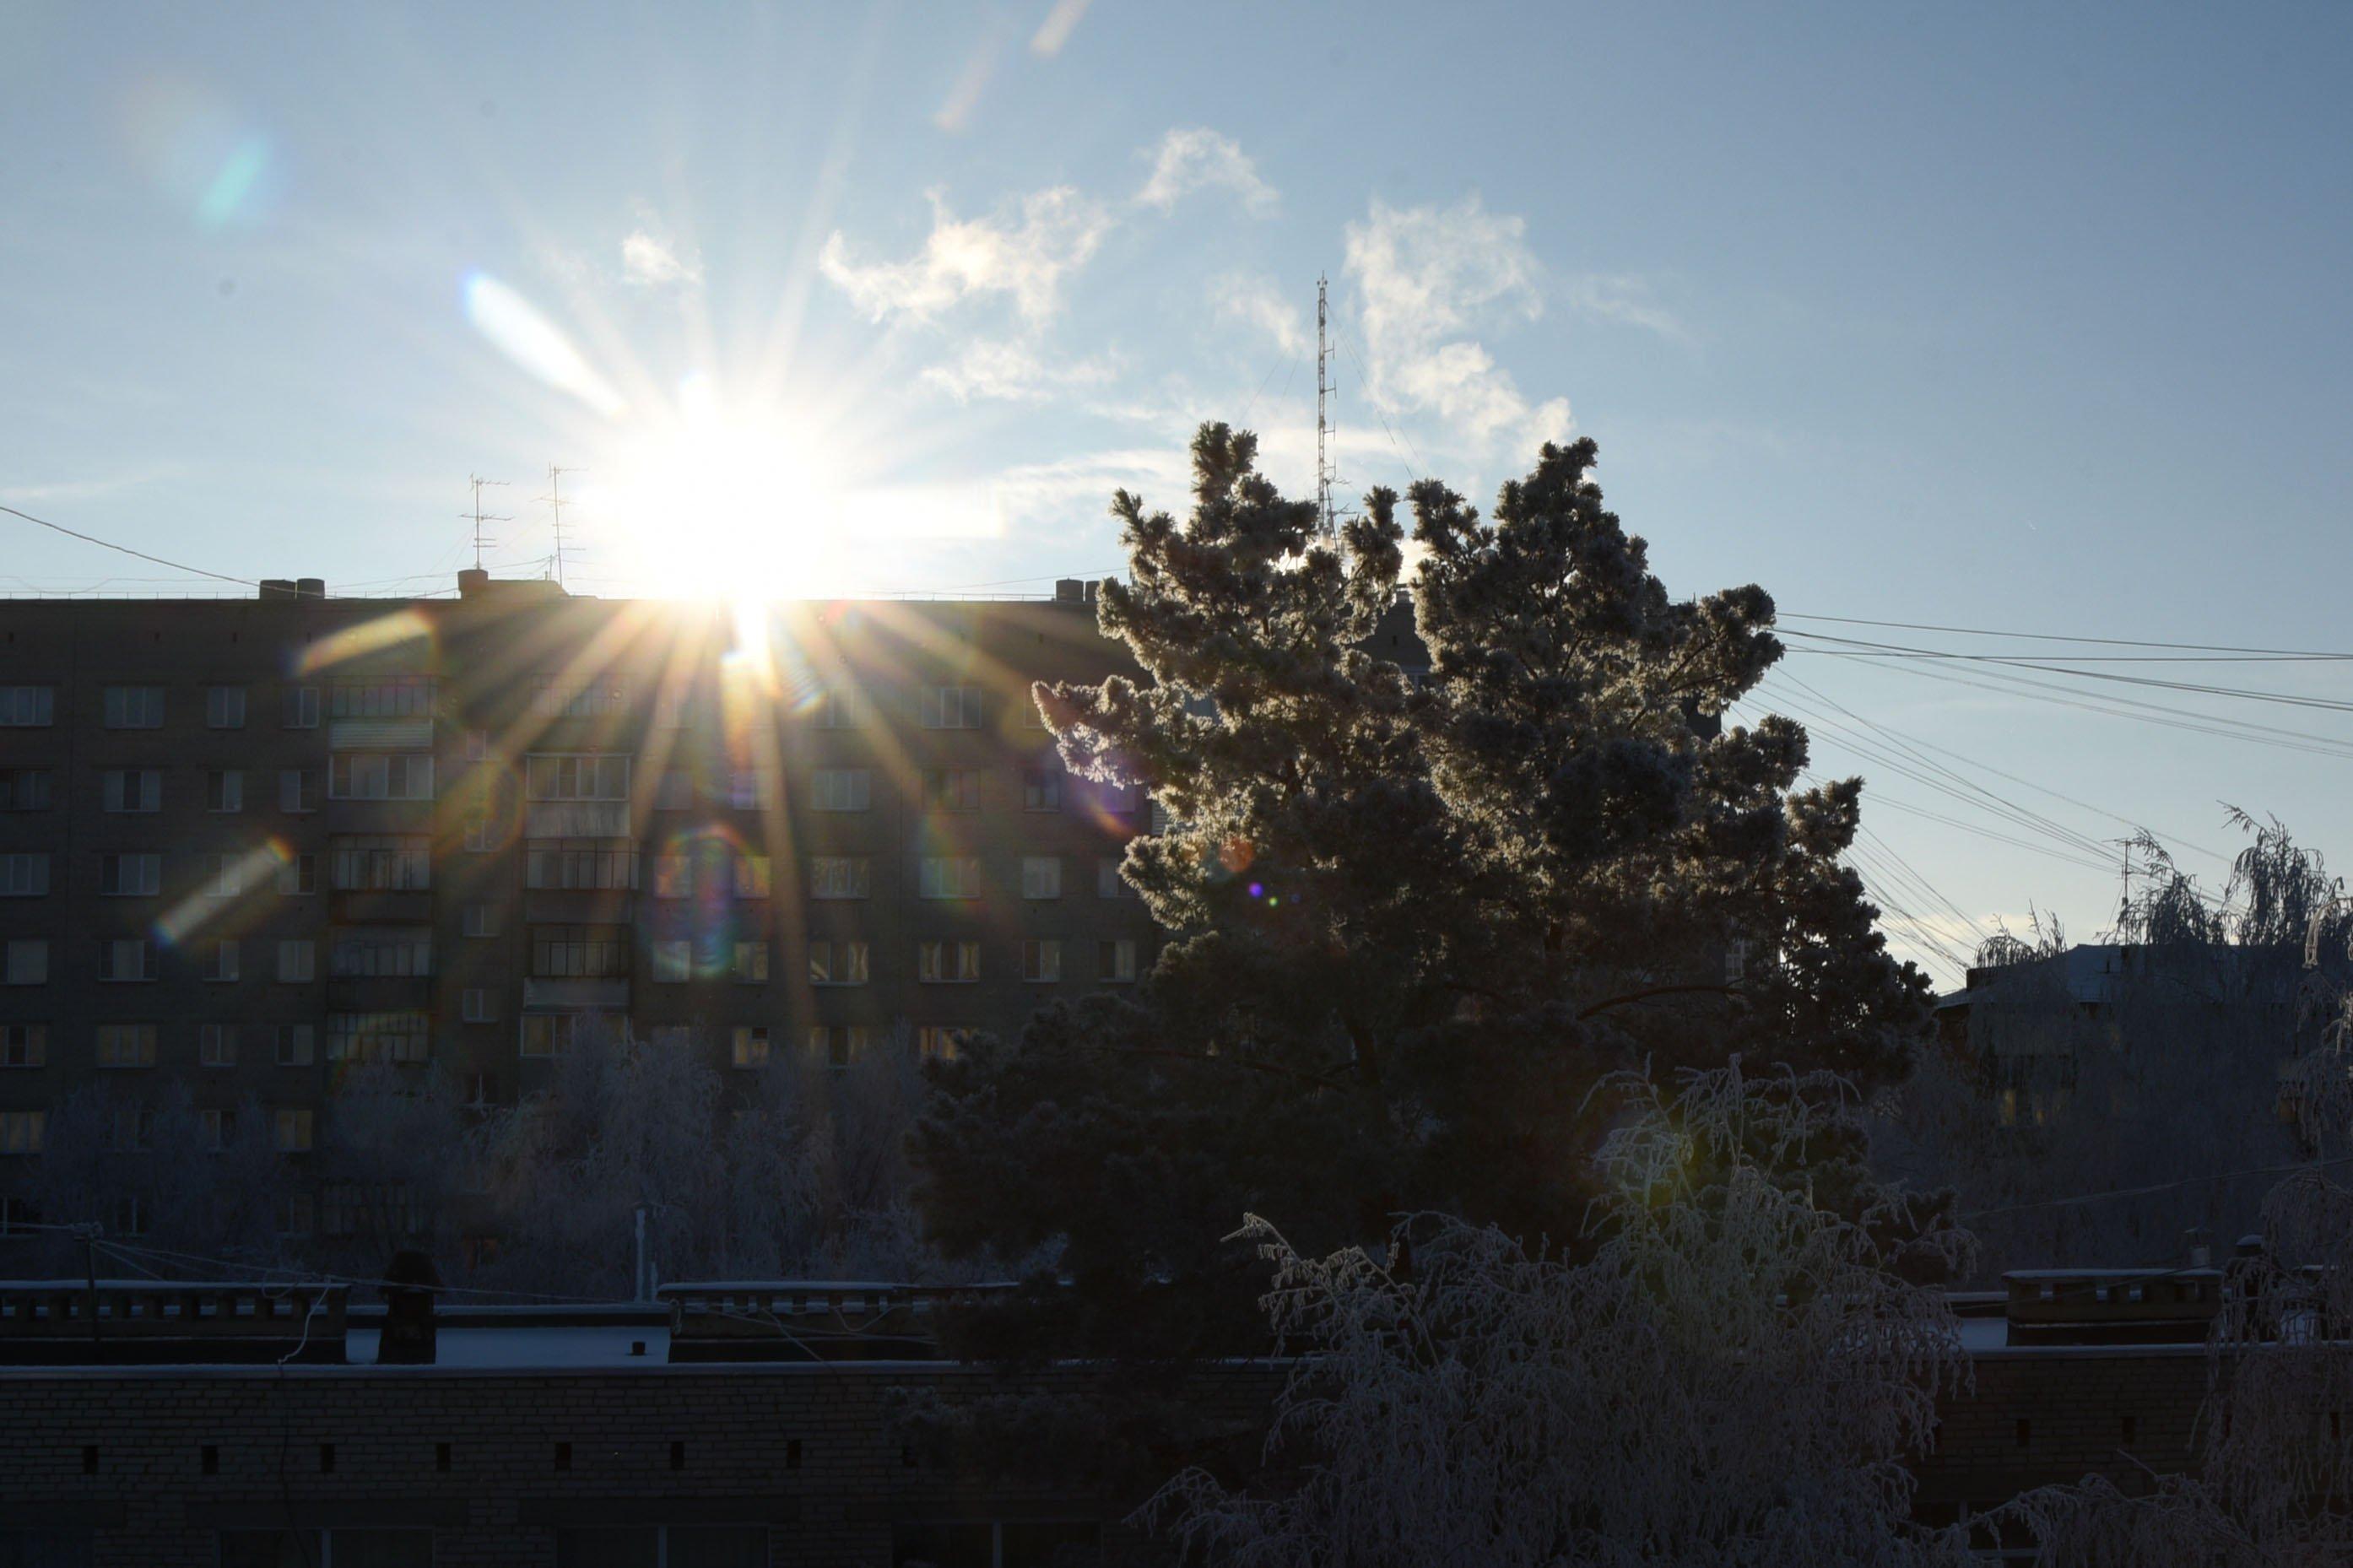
[{"x": 473, "y": 582}]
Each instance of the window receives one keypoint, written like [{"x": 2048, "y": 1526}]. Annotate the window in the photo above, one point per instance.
[
  {"x": 671, "y": 1037},
  {"x": 1033, "y": 716},
  {"x": 940, "y": 1042},
  {"x": 674, "y": 791},
  {"x": 673, "y": 876},
  {"x": 658, "y": 1546},
  {"x": 380, "y": 776},
  {"x": 842, "y": 789},
  {"x": 953, "y": 789},
  {"x": 301, "y": 711},
  {"x": 27, "y": 707},
  {"x": 580, "y": 863},
  {"x": 298, "y": 790},
  {"x": 224, "y": 876},
  {"x": 298, "y": 875},
  {"x": 479, "y": 839},
  {"x": 1041, "y": 961},
  {"x": 224, "y": 790},
  {"x": 948, "y": 877},
  {"x": 20, "y": 1221},
  {"x": 225, "y": 959},
  {"x": 836, "y": 707},
  {"x": 748, "y": 788},
  {"x": 24, "y": 876},
  {"x": 294, "y": 1213},
  {"x": 291, "y": 1044},
  {"x": 673, "y": 961},
  {"x": 579, "y": 952},
  {"x": 382, "y": 865},
  {"x": 359, "y": 951},
  {"x": 290, "y": 1129},
  {"x": 951, "y": 708},
  {"x": 409, "y": 697},
  {"x": 129, "y": 876},
  {"x": 134, "y": 707},
  {"x": 577, "y": 776},
  {"x": 1041, "y": 789},
  {"x": 24, "y": 789},
  {"x": 218, "y": 1127},
  {"x": 125, "y": 959},
  {"x": 401, "y": 1035},
  {"x": 478, "y": 745},
  {"x": 225, "y": 707},
  {"x": 837, "y": 1045},
  {"x": 482, "y": 920},
  {"x": 131, "y": 1129},
  {"x": 674, "y": 708},
  {"x": 1041, "y": 875},
  {"x": 21, "y": 1131},
  {"x": 751, "y": 963},
  {"x": 947, "y": 963},
  {"x": 216, "y": 1045},
  {"x": 23, "y": 1044},
  {"x": 478, "y": 1004},
  {"x": 554, "y": 698},
  {"x": 547, "y": 1033},
  {"x": 25, "y": 960},
  {"x": 126, "y": 1044},
  {"x": 836, "y": 962},
  {"x": 749, "y": 1045},
  {"x": 1109, "y": 883},
  {"x": 132, "y": 789},
  {"x": 1116, "y": 962},
  {"x": 839, "y": 877},
  {"x": 752, "y": 875}
]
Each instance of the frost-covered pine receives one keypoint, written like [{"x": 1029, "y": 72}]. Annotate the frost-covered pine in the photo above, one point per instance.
[{"x": 1731, "y": 1374}]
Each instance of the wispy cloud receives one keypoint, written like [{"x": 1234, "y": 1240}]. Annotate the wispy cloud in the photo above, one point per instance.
[
  {"x": 1056, "y": 30},
  {"x": 651, "y": 261},
  {"x": 1195, "y": 159},
  {"x": 1256, "y": 301},
  {"x": 1621, "y": 297},
  {"x": 42, "y": 493},
  {"x": 1026, "y": 253},
  {"x": 1005, "y": 370},
  {"x": 1426, "y": 277}
]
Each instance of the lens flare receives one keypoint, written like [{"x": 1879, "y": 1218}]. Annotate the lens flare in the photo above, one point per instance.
[{"x": 517, "y": 329}]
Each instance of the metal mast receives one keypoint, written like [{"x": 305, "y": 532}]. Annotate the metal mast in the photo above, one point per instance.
[
  {"x": 1326, "y": 520},
  {"x": 479, "y": 518},
  {"x": 555, "y": 511}
]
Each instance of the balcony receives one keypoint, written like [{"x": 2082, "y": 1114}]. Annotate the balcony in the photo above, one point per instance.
[
  {"x": 578, "y": 905},
  {"x": 380, "y": 734},
  {"x": 564, "y": 995},
  {"x": 576, "y": 819}
]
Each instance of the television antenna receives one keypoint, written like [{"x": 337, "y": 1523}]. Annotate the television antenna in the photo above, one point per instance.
[
  {"x": 479, "y": 517},
  {"x": 554, "y": 499}
]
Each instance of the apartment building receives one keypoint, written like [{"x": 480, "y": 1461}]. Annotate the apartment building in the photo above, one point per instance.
[{"x": 257, "y": 842}]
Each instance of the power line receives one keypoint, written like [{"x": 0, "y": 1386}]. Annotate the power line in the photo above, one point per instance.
[
  {"x": 2057, "y": 636},
  {"x": 1900, "y": 650},
  {"x": 126, "y": 550}
]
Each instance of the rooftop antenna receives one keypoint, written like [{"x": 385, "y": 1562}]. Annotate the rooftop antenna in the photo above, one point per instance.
[
  {"x": 1326, "y": 520},
  {"x": 477, "y": 482},
  {"x": 555, "y": 509}
]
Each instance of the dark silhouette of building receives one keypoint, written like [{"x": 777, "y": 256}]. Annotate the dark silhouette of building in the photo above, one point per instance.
[{"x": 256, "y": 843}]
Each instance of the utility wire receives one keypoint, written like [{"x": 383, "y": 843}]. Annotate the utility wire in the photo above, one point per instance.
[
  {"x": 1901, "y": 650},
  {"x": 126, "y": 550},
  {"x": 2056, "y": 637}
]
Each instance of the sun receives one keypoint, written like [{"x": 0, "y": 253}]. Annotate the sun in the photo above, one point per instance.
[{"x": 716, "y": 498}]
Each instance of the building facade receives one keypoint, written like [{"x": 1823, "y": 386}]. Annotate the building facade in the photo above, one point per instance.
[{"x": 254, "y": 845}]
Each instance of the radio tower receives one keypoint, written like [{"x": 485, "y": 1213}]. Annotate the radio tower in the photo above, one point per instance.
[{"x": 1327, "y": 520}]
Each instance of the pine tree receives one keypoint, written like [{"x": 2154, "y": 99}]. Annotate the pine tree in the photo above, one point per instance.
[{"x": 1416, "y": 915}]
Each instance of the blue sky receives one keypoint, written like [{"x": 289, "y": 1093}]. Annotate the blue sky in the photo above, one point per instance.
[{"x": 1993, "y": 317}]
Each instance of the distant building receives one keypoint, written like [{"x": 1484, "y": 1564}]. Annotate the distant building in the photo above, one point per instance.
[{"x": 253, "y": 843}]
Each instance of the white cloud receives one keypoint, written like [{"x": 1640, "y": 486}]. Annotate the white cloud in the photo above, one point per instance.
[
  {"x": 1026, "y": 254},
  {"x": 1257, "y": 300},
  {"x": 1196, "y": 159},
  {"x": 1624, "y": 298},
  {"x": 1008, "y": 371},
  {"x": 652, "y": 262},
  {"x": 1426, "y": 277}
]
